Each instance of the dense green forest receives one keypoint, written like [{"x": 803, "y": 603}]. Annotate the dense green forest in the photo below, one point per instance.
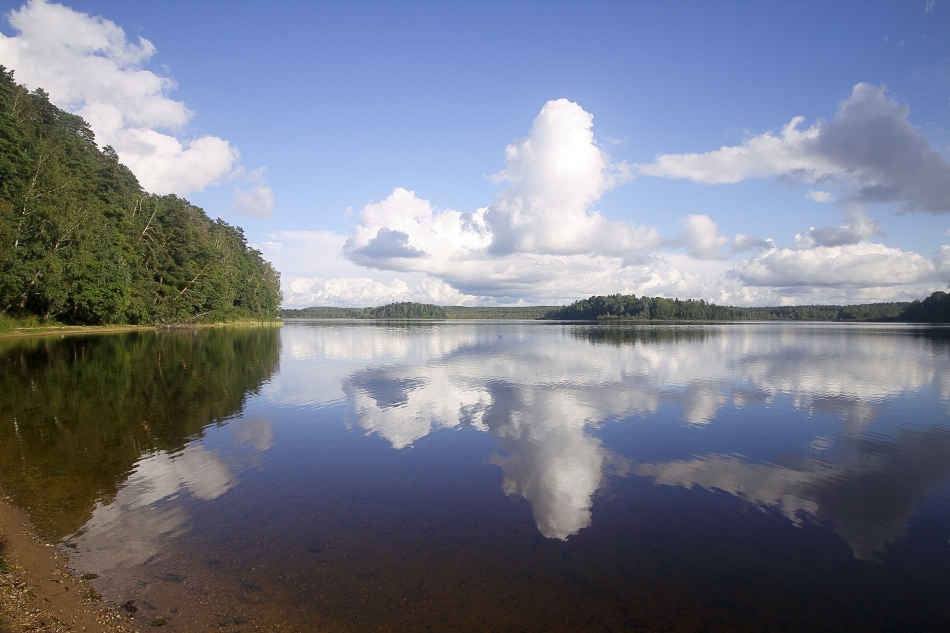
[
  {"x": 403, "y": 310},
  {"x": 81, "y": 242},
  {"x": 934, "y": 309}
]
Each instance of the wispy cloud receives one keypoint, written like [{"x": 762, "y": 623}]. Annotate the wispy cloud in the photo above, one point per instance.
[{"x": 255, "y": 202}]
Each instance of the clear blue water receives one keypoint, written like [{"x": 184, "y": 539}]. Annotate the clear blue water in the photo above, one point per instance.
[{"x": 498, "y": 476}]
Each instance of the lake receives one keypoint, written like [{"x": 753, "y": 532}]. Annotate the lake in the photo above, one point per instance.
[{"x": 494, "y": 476}]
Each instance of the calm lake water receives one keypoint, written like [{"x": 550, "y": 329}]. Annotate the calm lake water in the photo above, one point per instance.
[{"x": 493, "y": 476}]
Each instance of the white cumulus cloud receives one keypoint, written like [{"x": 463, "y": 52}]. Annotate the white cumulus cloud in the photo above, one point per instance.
[
  {"x": 88, "y": 66},
  {"x": 553, "y": 178},
  {"x": 702, "y": 238},
  {"x": 869, "y": 148},
  {"x": 862, "y": 264},
  {"x": 541, "y": 241}
]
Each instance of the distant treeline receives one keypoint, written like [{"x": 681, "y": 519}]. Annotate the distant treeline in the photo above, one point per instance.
[
  {"x": 503, "y": 312},
  {"x": 81, "y": 242},
  {"x": 403, "y": 310},
  {"x": 411, "y": 310},
  {"x": 934, "y": 309}
]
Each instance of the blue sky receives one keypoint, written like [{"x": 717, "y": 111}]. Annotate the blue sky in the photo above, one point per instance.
[{"x": 317, "y": 120}]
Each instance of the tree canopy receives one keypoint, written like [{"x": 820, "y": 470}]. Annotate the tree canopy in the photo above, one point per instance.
[
  {"x": 933, "y": 309},
  {"x": 81, "y": 242}
]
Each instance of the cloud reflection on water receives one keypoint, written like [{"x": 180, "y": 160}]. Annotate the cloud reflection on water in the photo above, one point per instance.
[
  {"x": 134, "y": 525},
  {"x": 868, "y": 495},
  {"x": 130, "y": 528},
  {"x": 541, "y": 389}
]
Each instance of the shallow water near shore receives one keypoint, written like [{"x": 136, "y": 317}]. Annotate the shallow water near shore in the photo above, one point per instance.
[{"x": 494, "y": 476}]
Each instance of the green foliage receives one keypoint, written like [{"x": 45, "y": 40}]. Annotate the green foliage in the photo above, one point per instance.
[
  {"x": 936, "y": 308},
  {"x": 501, "y": 312},
  {"x": 404, "y": 310},
  {"x": 933, "y": 309},
  {"x": 81, "y": 242},
  {"x": 645, "y": 308},
  {"x": 8, "y": 324}
]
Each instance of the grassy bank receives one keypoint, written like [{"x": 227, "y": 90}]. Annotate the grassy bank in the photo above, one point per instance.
[{"x": 8, "y": 323}]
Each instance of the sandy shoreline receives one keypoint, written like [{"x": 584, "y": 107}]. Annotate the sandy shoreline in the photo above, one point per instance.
[
  {"x": 63, "y": 330},
  {"x": 38, "y": 592}
]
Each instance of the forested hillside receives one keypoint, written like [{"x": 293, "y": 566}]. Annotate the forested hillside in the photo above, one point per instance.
[{"x": 81, "y": 242}]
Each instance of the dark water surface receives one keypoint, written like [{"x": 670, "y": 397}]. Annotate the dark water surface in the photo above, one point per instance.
[{"x": 489, "y": 476}]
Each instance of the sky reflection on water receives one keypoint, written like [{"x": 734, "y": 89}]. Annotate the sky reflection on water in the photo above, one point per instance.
[
  {"x": 372, "y": 474},
  {"x": 543, "y": 390}
]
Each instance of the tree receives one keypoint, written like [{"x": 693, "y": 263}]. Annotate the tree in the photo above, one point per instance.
[{"x": 81, "y": 242}]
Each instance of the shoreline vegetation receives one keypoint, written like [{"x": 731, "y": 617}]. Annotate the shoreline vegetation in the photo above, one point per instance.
[
  {"x": 618, "y": 307},
  {"x": 82, "y": 243},
  {"x": 933, "y": 309}
]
